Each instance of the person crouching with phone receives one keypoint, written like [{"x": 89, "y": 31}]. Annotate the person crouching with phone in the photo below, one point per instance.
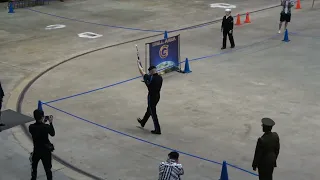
[{"x": 42, "y": 147}]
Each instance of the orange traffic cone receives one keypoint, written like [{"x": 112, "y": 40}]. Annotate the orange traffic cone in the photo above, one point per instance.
[
  {"x": 247, "y": 18},
  {"x": 238, "y": 20},
  {"x": 298, "y": 5}
]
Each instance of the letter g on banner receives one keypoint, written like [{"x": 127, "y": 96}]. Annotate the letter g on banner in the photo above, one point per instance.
[{"x": 164, "y": 51}]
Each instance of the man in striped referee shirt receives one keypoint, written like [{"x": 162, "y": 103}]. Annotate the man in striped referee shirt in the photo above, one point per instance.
[{"x": 171, "y": 169}]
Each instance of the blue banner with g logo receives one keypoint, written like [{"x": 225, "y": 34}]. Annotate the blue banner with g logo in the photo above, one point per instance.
[{"x": 165, "y": 54}]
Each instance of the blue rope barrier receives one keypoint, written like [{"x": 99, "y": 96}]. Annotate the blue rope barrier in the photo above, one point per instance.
[
  {"x": 241, "y": 169},
  {"x": 304, "y": 35},
  {"x": 145, "y": 141},
  {"x": 219, "y": 20},
  {"x": 148, "y": 30},
  {"x": 108, "y": 86},
  {"x": 131, "y": 79},
  {"x": 99, "y": 24},
  {"x": 226, "y": 52}
]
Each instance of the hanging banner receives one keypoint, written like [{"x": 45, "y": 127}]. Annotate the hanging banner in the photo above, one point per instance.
[{"x": 165, "y": 54}]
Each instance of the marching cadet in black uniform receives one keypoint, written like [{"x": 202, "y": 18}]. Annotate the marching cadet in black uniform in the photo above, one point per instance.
[
  {"x": 154, "y": 83},
  {"x": 227, "y": 29},
  {"x": 267, "y": 151}
]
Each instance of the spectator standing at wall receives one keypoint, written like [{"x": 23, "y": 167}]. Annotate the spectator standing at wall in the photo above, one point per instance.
[
  {"x": 227, "y": 29},
  {"x": 171, "y": 169}
]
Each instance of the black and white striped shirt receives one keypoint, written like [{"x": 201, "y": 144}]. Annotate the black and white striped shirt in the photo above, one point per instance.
[
  {"x": 286, "y": 6},
  {"x": 170, "y": 170}
]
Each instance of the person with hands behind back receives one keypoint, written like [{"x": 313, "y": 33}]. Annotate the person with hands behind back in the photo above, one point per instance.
[
  {"x": 42, "y": 147},
  {"x": 227, "y": 29},
  {"x": 267, "y": 151}
]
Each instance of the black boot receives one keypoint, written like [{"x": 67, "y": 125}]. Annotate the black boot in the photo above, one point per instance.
[
  {"x": 155, "y": 132},
  {"x": 140, "y": 122}
]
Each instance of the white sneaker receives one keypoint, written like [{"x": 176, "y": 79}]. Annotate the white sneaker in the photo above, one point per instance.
[{"x": 279, "y": 31}]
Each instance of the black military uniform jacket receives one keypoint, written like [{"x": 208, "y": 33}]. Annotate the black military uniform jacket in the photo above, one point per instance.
[
  {"x": 267, "y": 151},
  {"x": 40, "y": 134},
  {"x": 1, "y": 92},
  {"x": 227, "y": 23},
  {"x": 154, "y": 83}
]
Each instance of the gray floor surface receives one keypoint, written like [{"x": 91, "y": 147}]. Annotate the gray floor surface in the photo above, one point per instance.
[{"x": 213, "y": 113}]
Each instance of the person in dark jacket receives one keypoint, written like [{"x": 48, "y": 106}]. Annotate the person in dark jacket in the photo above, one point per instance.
[
  {"x": 42, "y": 147},
  {"x": 267, "y": 151},
  {"x": 1, "y": 99},
  {"x": 227, "y": 29},
  {"x": 154, "y": 83}
]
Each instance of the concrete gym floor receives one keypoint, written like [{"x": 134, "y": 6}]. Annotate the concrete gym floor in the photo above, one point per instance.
[{"x": 213, "y": 113}]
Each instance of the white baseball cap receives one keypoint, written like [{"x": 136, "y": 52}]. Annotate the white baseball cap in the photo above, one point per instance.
[{"x": 228, "y": 10}]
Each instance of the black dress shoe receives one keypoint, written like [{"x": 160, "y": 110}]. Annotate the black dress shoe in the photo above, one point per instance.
[
  {"x": 232, "y": 46},
  {"x": 155, "y": 132},
  {"x": 223, "y": 48},
  {"x": 2, "y": 124},
  {"x": 140, "y": 122}
]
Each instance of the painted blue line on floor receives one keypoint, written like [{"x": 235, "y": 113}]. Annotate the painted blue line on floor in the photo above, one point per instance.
[
  {"x": 145, "y": 141},
  {"x": 195, "y": 59},
  {"x": 119, "y": 27},
  {"x": 229, "y": 51},
  {"x": 147, "y": 30},
  {"x": 105, "y": 87},
  {"x": 303, "y": 35},
  {"x": 241, "y": 169}
]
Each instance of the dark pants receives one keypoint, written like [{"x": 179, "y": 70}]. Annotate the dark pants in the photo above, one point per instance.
[
  {"x": 152, "y": 110},
  {"x": 265, "y": 173},
  {"x": 225, "y": 33},
  {"x": 285, "y": 17},
  {"x": 0, "y": 107},
  {"x": 46, "y": 158}
]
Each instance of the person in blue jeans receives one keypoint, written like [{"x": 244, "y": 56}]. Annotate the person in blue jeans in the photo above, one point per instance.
[{"x": 153, "y": 82}]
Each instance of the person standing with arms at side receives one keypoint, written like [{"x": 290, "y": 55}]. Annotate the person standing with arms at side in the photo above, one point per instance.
[
  {"x": 171, "y": 169},
  {"x": 285, "y": 15},
  {"x": 227, "y": 29},
  {"x": 154, "y": 83},
  {"x": 1, "y": 99},
  {"x": 267, "y": 151},
  {"x": 42, "y": 147}
]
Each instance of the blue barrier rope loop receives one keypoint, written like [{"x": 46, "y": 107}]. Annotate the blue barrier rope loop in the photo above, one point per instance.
[
  {"x": 148, "y": 30},
  {"x": 99, "y": 24},
  {"x": 142, "y": 140},
  {"x": 131, "y": 79},
  {"x": 148, "y": 142}
]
